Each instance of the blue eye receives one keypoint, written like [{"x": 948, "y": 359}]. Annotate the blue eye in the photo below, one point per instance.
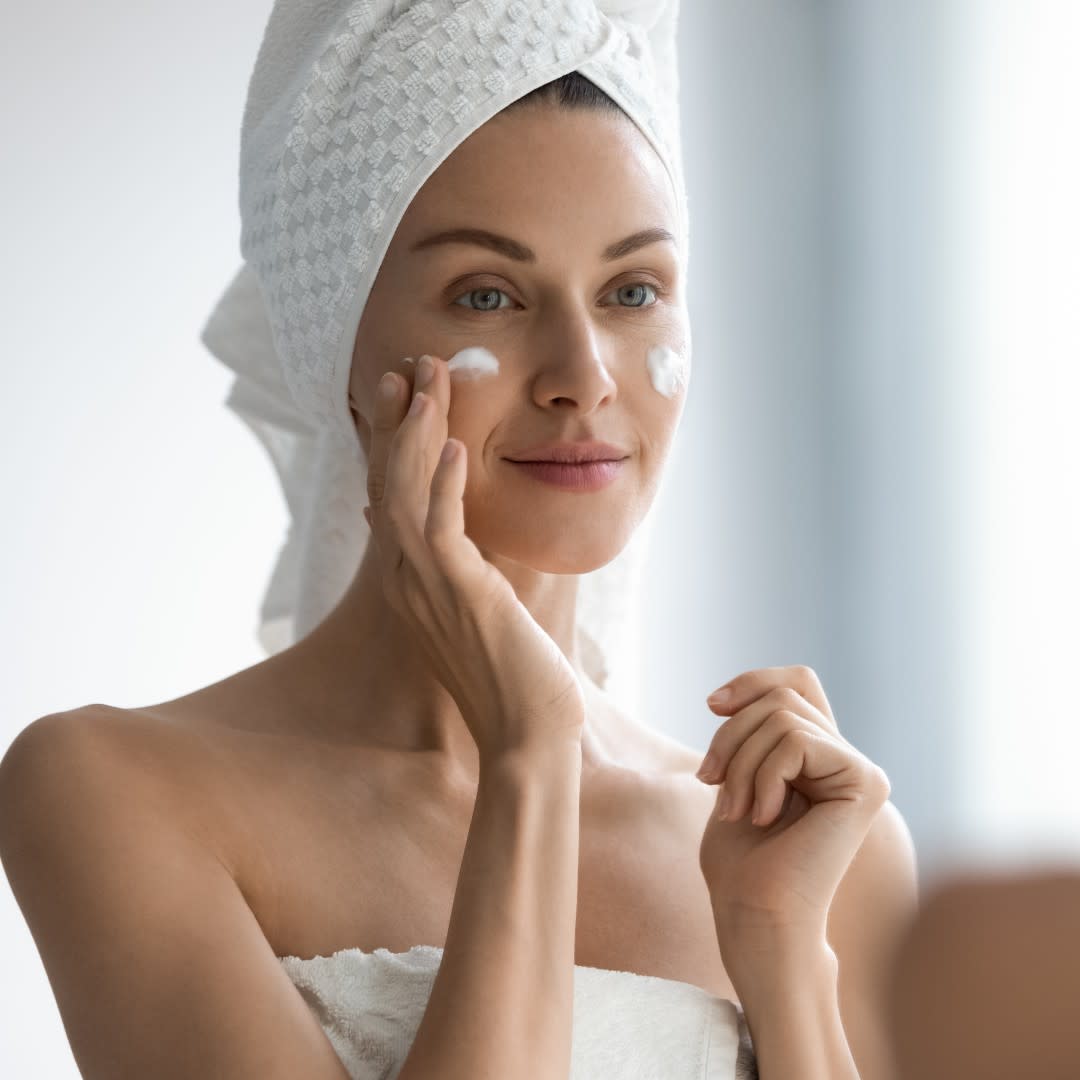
[
  {"x": 487, "y": 292},
  {"x": 488, "y": 295},
  {"x": 636, "y": 285}
]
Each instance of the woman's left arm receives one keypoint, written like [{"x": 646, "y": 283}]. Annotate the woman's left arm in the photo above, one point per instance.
[
  {"x": 811, "y": 973},
  {"x": 790, "y": 998}
]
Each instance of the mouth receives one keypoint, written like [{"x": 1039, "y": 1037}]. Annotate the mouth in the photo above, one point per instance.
[
  {"x": 583, "y": 476},
  {"x": 571, "y": 452}
]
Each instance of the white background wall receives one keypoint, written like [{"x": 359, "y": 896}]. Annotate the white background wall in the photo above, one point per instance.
[{"x": 877, "y": 467}]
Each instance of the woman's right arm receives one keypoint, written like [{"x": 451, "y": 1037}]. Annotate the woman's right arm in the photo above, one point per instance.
[
  {"x": 157, "y": 962},
  {"x": 160, "y": 968},
  {"x": 502, "y": 1002}
]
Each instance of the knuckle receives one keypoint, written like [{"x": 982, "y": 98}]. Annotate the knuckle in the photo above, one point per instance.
[
  {"x": 786, "y": 697},
  {"x": 777, "y": 723},
  {"x": 439, "y": 541},
  {"x": 799, "y": 737}
]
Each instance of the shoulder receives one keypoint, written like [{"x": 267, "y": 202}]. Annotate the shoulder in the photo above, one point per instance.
[
  {"x": 61, "y": 748},
  {"x": 97, "y": 738},
  {"x": 97, "y": 762},
  {"x": 148, "y": 942}
]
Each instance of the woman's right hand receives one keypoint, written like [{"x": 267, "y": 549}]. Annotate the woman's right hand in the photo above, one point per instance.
[{"x": 511, "y": 681}]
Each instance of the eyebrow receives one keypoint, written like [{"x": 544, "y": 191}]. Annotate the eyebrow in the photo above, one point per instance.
[{"x": 504, "y": 245}]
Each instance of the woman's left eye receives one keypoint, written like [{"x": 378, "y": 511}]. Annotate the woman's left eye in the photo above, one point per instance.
[
  {"x": 630, "y": 288},
  {"x": 488, "y": 293}
]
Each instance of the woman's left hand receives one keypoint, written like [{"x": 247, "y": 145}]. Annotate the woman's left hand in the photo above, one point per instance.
[{"x": 816, "y": 794}]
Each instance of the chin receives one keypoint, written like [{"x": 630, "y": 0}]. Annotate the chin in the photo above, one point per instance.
[{"x": 576, "y": 547}]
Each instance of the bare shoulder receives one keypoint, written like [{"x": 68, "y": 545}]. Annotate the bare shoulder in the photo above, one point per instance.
[
  {"x": 61, "y": 763},
  {"x": 156, "y": 959},
  {"x": 64, "y": 746}
]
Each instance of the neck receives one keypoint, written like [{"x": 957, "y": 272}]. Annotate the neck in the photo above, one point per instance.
[{"x": 365, "y": 678}]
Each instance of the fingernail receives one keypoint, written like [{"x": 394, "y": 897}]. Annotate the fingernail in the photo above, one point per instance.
[
  {"x": 720, "y": 696},
  {"x": 386, "y": 386},
  {"x": 424, "y": 370},
  {"x": 417, "y": 404},
  {"x": 708, "y": 766}
]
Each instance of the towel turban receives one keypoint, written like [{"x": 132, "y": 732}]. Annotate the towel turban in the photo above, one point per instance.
[{"x": 351, "y": 106}]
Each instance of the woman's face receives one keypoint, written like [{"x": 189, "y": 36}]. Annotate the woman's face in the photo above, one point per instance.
[{"x": 577, "y": 333}]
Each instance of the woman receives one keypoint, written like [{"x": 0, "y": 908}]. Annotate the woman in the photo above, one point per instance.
[{"x": 421, "y": 841}]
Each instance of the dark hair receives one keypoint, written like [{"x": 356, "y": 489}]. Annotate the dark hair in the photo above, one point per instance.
[{"x": 572, "y": 90}]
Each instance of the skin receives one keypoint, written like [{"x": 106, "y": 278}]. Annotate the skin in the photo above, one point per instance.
[{"x": 571, "y": 334}]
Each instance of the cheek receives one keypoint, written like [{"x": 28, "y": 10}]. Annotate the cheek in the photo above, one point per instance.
[
  {"x": 667, "y": 369},
  {"x": 472, "y": 413}
]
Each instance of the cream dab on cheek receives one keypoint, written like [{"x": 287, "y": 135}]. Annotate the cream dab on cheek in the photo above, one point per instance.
[
  {"x": 470, "y": 362},
  {"x": 473, "y": 361},
  {"x": 667, "y": 369}
]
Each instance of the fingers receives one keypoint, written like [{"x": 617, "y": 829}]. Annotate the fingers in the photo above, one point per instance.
[
  {"x": 446, "y": 510},
  {"x": 407, "y": 437},
  {"x": 748, "y": 778},
  {"x": 752, "y": 685},
  {"x": 391, "y": 400},
  {"x": 419, "y": 440},
  {"x": 745, "y": 721},
  {"x": 392, "y": 397},
  {"x": 758, "y": 764},
  {"x": 438, "y": 389}
]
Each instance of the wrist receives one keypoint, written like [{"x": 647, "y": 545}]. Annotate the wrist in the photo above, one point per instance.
[
  {"x": 767, "y": 959},
  {"x": 558, "y": 753}
]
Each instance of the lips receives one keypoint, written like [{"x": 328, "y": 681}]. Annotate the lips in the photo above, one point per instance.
[
  {"x": 571, "y": 453},
  {"x": 580, "y": 476}
]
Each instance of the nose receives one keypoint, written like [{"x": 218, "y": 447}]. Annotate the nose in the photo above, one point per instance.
[{"x": 575, "y": 363}]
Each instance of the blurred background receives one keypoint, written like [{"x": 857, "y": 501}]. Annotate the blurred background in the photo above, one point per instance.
[{"x": 877, "y": 466}]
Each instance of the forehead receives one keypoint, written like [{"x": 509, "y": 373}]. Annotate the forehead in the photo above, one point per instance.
[{"x": 565, "y": 169}]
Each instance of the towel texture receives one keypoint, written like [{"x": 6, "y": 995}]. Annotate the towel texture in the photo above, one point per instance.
[{"x": 626, "y": 1026}]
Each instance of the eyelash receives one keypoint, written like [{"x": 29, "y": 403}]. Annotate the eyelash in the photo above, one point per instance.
[{"x": 661, "y": 293}]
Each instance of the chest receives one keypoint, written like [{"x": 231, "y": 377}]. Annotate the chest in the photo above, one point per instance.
[{"x": 332, "y": 865}]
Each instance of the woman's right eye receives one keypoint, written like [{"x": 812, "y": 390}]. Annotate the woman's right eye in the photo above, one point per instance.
[{"x": 486, "y": 295}]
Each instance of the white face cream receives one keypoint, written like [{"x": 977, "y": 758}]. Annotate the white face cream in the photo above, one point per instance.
[
  {"x": 473, "y": 361},
  {"x": 667, "y": 369},
  {"x": 469, "y": 362}
]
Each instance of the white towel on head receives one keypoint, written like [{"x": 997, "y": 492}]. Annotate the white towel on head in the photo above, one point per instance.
[{"x": 351, "y": 106}]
